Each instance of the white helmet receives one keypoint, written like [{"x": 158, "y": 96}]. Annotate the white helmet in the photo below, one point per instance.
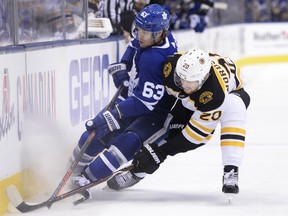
[{"x": 193, "y": 65}]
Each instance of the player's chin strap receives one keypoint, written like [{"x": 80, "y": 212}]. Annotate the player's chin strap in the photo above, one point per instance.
[{"x": 82, "y": 151}]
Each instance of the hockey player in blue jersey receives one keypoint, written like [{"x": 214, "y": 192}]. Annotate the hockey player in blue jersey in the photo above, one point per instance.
[{"x": 121, "y": 131}]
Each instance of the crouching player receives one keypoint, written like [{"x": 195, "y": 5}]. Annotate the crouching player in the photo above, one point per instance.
[
  {"x": 121, "y": 131},
  {"x": 211, "y": 86}
]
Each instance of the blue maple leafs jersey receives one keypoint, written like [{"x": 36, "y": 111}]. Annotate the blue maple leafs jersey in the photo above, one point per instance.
[{"x": 149, "y": 62}]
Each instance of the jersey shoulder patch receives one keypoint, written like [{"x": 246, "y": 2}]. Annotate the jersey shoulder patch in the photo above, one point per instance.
[
  {"x": 170, "y": 64},
  {"x": 210, "y": 96}
]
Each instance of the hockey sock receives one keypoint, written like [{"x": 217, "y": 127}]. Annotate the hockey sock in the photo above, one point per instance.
[
  {"x": 125, "y": 146},
  {"x": 95, "y": 147},
  {"x": 101, "y": 167}
]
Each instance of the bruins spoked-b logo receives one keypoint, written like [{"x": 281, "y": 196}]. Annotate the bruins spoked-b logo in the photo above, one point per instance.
[
  {"x": 205, "y": 97},
  {"x": 167, "y": 69}
]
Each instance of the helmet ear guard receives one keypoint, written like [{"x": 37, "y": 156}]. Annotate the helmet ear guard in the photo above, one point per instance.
[{"x": 194, "y": 65}]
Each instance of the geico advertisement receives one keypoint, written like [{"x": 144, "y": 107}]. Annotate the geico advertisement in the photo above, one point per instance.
[{"x": 90, "y": 86}]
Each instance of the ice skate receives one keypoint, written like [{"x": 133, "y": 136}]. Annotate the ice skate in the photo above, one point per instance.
[
  {"x": 230, "y": 182},
  {"x": 79, "y": 181},
  {"x": 123, "y": 180}
]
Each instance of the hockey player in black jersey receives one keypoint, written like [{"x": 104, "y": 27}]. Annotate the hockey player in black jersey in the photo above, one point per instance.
[{"x": 212, "y": 87}]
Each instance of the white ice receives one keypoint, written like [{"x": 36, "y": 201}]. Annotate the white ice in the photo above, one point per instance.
[{"x": 190, "y": 184}]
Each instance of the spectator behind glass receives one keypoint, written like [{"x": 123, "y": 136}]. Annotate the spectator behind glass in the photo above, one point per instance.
[
  {"x": 191, "y": 15},
  {"x": 128, "y": 15},
  {"x": 279, "y": 10},
  {"x": 112, "y": 10},
  {"x": 160, "y": 2},
  {"x": 77, "y": 9},
  {"x": 174, "y": 8},
  {"x": 283, "y": 10},
  {"x": 249, "y": 11},
  {"x": 27, "y": 33},
  {"x": 262, "y": 14},
  {"x": 5, "y": 36},
  {"x": 41, "y": 20}
]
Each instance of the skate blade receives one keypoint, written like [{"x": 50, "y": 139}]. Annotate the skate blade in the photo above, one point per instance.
[
  {"x": 107, "y": 189},
  {"x": 230, "y": 197}
]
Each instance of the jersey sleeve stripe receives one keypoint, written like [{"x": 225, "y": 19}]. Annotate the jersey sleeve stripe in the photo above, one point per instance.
[
  {"x": 239, "y": 81},
  {"x": 171, "y": 91},
  {"x": 197, "y": 132},
  {"x": 193, "y": 128},
  {"x": 190, "y": 133},
  {"x": 220, "y": 80},
  {"x": 209, "y": 137},
  {"x": 203, "y": 128}
]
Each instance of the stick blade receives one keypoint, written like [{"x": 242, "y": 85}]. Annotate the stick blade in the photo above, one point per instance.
[
  {"x": 14, "y": 196},
  {"x": 16, "y": 199}
]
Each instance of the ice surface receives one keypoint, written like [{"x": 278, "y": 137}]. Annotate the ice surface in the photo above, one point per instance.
[{"x": 190, "y": 184}]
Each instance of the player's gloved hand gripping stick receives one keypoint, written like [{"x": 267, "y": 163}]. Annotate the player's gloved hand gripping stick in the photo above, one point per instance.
[{"x": 108, "y": 121}]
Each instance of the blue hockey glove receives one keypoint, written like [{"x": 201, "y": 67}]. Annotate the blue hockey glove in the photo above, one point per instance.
[
  {"x": 105, "y": 122},
  {"x": 119, "y": 73},
  {"x": 148, "y": 159}
]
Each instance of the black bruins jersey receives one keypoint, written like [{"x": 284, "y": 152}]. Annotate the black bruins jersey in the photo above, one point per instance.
[{"x": 210, "y": 105}]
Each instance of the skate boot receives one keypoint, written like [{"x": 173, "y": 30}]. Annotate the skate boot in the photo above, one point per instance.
[
  {"x": 230, "y": 180},
  {"x": 79, "y": 181},
  {"x": 123, "y": 180}
]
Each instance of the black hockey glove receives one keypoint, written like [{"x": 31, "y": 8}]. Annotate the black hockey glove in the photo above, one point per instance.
[
  {"x": 148, "y": 159},
  {"x": 105, "y": 122},
  {"x": 119, "y": 73}
]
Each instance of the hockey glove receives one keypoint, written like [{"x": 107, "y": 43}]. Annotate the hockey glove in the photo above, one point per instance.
[
  {"x": 119, "y": 73},
  {"x": 148, "y": 159},
  {"x": 105, "y": 122}
]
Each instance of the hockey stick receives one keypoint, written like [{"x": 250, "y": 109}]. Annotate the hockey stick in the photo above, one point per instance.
[
  {"x": 17, "y": 200},
  {"x": 83, "y": 149}
]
